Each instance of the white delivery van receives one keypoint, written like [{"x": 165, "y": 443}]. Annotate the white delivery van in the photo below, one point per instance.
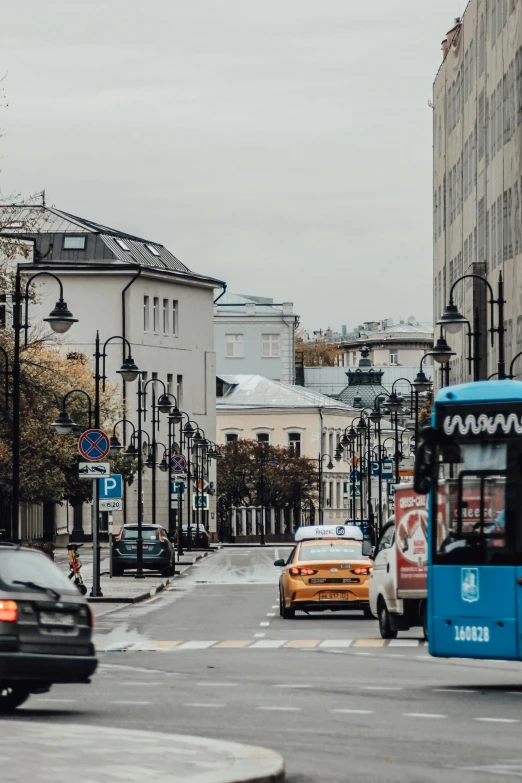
[{"x": 398, "y": 584}]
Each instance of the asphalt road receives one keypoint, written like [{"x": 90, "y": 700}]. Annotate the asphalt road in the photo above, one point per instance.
[{"x": 212, "y": 657}]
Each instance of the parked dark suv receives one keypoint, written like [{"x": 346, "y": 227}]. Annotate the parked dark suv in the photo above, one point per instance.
[
  {"x": 158, "y": 550},
  {"x": 45, "y": 627}
]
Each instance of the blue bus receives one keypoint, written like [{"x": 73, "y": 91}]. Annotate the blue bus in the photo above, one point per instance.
[{"x": 469, "y": 461}]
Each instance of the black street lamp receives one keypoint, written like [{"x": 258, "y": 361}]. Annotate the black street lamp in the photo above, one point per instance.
[
  {"x": 452, "y": 320},
  {"x": 60, "y": 320}
]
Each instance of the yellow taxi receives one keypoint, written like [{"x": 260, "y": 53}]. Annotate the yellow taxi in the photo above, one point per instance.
[{"x": 326, "y": 570}]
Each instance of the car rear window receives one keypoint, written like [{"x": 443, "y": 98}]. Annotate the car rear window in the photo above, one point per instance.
[
  {"x": 32, "y": 567},
  {"x": 325, "y": 551},
  {"x": 148, "y": 533}
]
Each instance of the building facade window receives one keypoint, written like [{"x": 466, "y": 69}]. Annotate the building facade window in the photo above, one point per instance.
[
  {"x": 270, "y": 346},
  {"x": 263, "y": 437},
  {"x": 175, "y": 311},
  {"x": 169, "y": 383},
  {"x": 230, "y": 437},
  {"x": 145, "y": 313},
  {"x": 3, "y": 307},
  {"x": 179, "y": 391},
  {"x": 394, "y": 356},
  {"x": 235, "y": 346},
  {"x": 165, "y": 316},
  {"x": 155, "y": 314},
  {"x": 74, "y": 243},
  {"x": 294, "y": 442}
]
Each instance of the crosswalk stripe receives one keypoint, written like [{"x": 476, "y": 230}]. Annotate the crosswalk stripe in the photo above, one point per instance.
[
  {"x": 256, "y": 643},
  {"x": 369, "y": 643}
]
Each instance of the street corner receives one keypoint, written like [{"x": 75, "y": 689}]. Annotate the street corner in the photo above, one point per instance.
[{"x": 108, "y": 755}]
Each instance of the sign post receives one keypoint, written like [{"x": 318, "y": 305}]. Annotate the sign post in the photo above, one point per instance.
[{"x": 93, "y": 446}]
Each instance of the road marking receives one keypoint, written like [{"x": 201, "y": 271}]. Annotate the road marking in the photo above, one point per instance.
[
  {"x": 290, "y": 685},
  {"x": 263, "y": 625},
  {"x": 270, "y": 614},
  {"x": 259, "y": 635},
  {"x": 215, "y": 684},
  {"x": 206, "y": 706},
  {"x": 403, "y": 643},
  {"x": 355, "y": 712},
  {"x": 514, "y": 693},
  {"x": 380, "y": 688},
  {"x": 145, "y": 684},
  {"x": 422, "y": 715},
  {"x": 497, "y": 720},
  {"x": 369, "y": 643},
  {"x": 268, "y": 644},
  {"x": 336, "y": 643},
  {"x": 275, "y": 606},
  {"x": 60, "y": 701},
  {"x": 300, "y": 643},
  {"x": 281, "y": 709},
  {"x": 453, "y": 690},
  {"x": 196, "y": 645},
  {"x": 236, "y": 643},
  {"x": 151, "y": 646}
]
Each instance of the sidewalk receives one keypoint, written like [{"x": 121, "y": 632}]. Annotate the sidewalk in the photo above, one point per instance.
[
  {"x": 57, "y": 753},
  {"x": 125, "y": 589}
]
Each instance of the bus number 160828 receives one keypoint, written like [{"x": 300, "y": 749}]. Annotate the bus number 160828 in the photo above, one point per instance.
[{"x": 471, "y": 633}]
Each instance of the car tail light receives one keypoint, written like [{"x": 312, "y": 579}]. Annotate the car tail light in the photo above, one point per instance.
[
  {"x": 8, "y": 611},
  {"x": 118, "y": 537},
  {"x": 161, "y": 536},
  {"x": 364, "y": 571},
  {"x": 302, "y": 571}
]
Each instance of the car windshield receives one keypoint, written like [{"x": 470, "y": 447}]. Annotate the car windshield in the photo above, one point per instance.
[
  {"x": 20, "y": 566},
  {"x": 148, "y": 533},
  {"x": 336, "y": 550}
]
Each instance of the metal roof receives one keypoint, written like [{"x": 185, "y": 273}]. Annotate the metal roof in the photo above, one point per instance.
[
  {"x": 46, "y": 221},
  {"x": 255, "y": 391}
]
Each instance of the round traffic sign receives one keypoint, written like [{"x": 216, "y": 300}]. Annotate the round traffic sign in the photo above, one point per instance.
[
  {"x": 93, "y": 445},
  {"x": 178, "y": 463}
]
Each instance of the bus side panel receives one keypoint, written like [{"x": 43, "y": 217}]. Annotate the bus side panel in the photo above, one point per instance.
[{"x": 473, "y": 612}]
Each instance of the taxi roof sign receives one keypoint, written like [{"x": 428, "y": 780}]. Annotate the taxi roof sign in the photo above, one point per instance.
[{"x": 315, "y": 532}]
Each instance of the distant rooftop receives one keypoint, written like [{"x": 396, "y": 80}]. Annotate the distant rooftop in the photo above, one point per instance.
[
  {"x": 255, "y": 391},
  {"x": 247, "y": 304}
]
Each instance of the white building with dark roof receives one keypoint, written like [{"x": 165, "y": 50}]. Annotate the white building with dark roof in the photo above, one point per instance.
[{"x": 121, "y": 284}]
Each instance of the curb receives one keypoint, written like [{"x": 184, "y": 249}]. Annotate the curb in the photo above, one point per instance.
[{"x": 136, "y": 599}]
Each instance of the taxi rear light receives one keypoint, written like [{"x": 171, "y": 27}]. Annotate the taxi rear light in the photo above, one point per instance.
[
  {"x": 302, "y": 571},
  {"x": 161, "y": 536},
  {"x": 364, "y": 571},
  {"x": 8, "y": 611},
  {"x": 120, "y": 534}
]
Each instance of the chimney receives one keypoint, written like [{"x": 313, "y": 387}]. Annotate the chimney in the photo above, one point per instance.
[
  {"x": 250, "y": 308},
  {"x": 288, "y": 308}
]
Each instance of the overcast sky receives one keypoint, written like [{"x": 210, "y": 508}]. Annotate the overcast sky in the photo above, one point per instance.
[{"x": 283, "y": 146}]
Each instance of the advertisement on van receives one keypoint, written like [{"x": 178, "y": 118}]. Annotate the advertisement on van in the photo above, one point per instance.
[{"x": 411, "y": 537}]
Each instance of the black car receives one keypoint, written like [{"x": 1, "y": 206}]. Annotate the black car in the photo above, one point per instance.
[
  {"x": 158, "y": 550},
  {"x": 45, "y": 627},
  {"x": 199, "y": 538}
]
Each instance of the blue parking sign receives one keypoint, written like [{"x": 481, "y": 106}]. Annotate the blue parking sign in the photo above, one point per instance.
[{"x": 111, "y": 487}]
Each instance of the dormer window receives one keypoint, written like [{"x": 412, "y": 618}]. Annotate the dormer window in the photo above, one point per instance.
[
  {"x": 152, "y": 250},
  {"x": 123, "y": 244},
  {"x": 74, "y": 243}
]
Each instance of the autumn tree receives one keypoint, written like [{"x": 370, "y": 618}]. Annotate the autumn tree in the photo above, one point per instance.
[
  {"x": 318, "y": 352},
  {"x": 247, "y": 477}
]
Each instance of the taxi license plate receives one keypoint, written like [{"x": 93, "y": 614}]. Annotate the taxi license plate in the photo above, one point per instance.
[
  {"x": 56, "y": 618},
  {"x": 333, "y": 597}
]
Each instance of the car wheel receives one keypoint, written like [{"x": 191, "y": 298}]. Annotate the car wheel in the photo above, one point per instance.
[
  {"x": 116, "y": 571},
  {"x": 166, "y": 571},
  {"x": 368, "y": 614},
  {"x": 172, "y": 569},
  {"x": 11, "y": 697},
  {"x": 286, "y": 614},
  {"x": 385, "y": 627}
]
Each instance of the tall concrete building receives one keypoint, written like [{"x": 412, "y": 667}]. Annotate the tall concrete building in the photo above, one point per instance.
[{"x": 477, "y": 182}]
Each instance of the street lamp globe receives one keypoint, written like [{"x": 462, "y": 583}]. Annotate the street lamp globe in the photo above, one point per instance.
[
  {"x": 63, "y": 424},
  {"x": 452, "y": 320},
  {"x": 163, "y": 466},
  {"x": 362, "y": 424},
  {"x": 164, "y": 404},
  {"x": 441, "y": 351},
  {"x": 393, "y": 403},
  {"x": 352, "y": 435},
  {"x": 422, "y": 383},
  {"x": 131, "y": 453},
  {"x": 330, "y": 465},
  {"x": 188, "y": 430},
  {"x": 129, "y": 370},
  {"x": 114, "y": 446},
  {"x": 60, "y": 319},
  {"x": 175, "y": 415}
]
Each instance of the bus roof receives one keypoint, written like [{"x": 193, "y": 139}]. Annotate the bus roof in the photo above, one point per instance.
[{"x": 481, "y": 391}]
